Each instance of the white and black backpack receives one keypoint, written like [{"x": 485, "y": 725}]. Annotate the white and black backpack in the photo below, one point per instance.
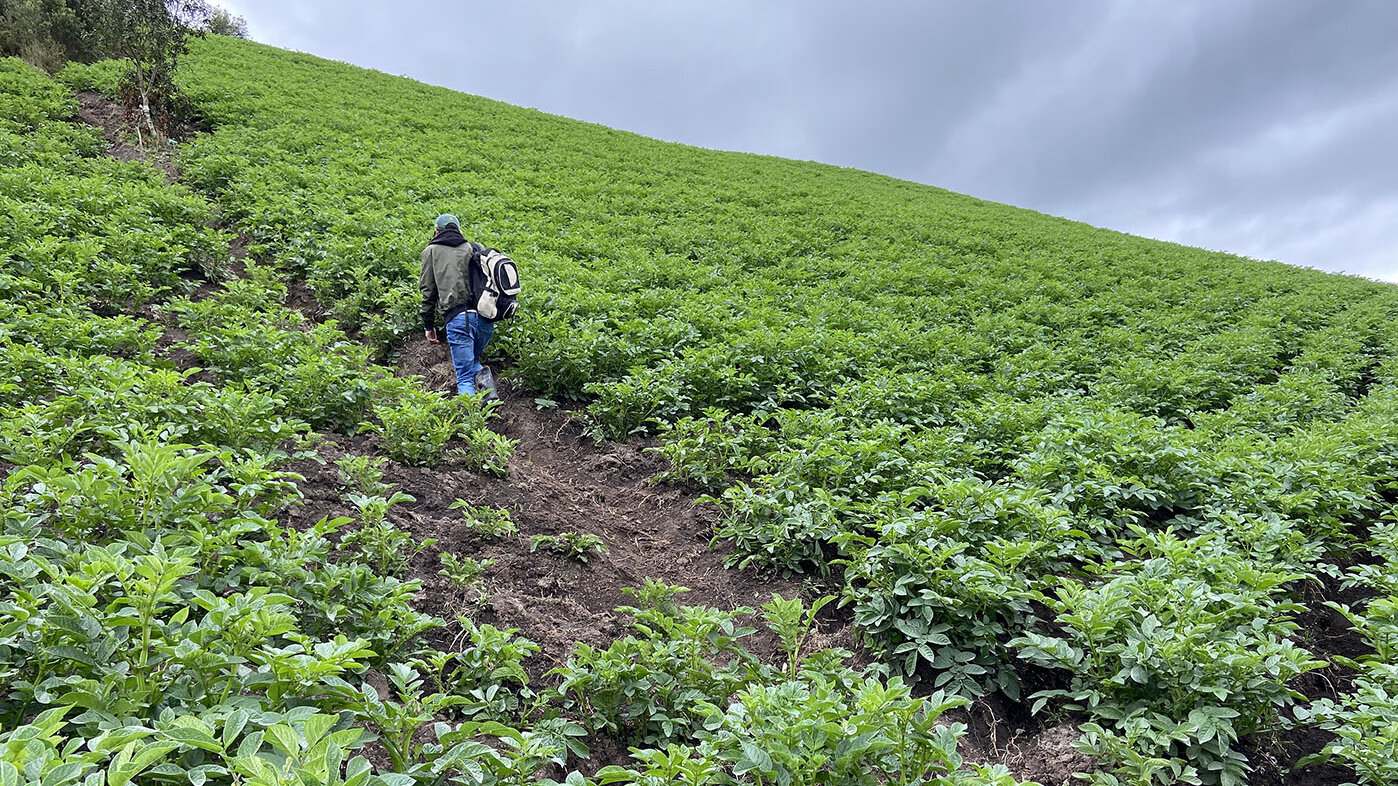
[{"x": 499, "y": 298}]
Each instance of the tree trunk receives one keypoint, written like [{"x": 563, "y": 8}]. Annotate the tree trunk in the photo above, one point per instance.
[{"x": 145, "y": 104}]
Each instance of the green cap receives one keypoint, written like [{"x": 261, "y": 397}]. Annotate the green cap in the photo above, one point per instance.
[{"x": 444, "y": 219}]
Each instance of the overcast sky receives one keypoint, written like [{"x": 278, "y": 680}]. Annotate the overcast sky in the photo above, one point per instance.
[{"x": 1261, "y": 127}]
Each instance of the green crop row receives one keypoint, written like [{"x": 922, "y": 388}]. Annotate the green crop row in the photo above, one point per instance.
[{"x": 1365, "y": 722}]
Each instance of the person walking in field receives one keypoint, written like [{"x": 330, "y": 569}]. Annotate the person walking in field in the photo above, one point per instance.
[{"x": 452, "y": 280}]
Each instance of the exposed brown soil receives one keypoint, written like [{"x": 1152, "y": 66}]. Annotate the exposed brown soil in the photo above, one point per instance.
[
  {"x": 1045, "y": 755},
  {"x": 300, "y": 298},
  {"x": 237, "y": 268},
  {"x": 172, "y": 346},
  {"x": 558, "y": 481},
  {"x": 97, "y": 110},
  {"x": 1328, "y": 634},
  {"x": 1274, "y": 759}
]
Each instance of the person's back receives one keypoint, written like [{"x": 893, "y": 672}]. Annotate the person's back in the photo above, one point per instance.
[{"x": 451, "y": 282}]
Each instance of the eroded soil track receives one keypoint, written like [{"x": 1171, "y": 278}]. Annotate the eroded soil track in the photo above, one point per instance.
[{"x": 558, "y": 481}]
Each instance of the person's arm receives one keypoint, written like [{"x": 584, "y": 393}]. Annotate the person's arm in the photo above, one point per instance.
[{"x": 428, "y": 284}]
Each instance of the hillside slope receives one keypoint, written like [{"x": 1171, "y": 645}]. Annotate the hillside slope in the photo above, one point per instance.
[
  {"x": 1059, "y": 471},
  {"x": 1028, "y": 447},
  {"x": 190, "y": 593}
]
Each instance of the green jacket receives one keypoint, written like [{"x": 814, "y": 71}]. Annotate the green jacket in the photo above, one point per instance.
[{"x": 445, "y": 281}]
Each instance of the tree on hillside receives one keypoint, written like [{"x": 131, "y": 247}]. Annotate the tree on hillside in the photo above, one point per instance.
[
  {"x": 150, "y": 34},
  {"x": 221, "y": 22},
  {"x": 47, "y": 33}
]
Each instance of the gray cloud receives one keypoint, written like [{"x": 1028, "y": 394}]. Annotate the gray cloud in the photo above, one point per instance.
[{"x": 1260, "y": 127}]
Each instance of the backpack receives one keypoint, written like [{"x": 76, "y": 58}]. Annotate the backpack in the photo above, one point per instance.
[{"x": 499, "y": 298}]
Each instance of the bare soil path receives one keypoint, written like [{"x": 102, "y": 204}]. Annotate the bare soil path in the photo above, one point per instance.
[{"x": 558, "y": 481}]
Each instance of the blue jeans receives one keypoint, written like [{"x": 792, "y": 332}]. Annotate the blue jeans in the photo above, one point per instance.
[{"x": 467, "y": 335}]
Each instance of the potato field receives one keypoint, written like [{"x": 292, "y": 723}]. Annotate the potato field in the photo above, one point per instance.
[{"x": 1069, "y": 474}]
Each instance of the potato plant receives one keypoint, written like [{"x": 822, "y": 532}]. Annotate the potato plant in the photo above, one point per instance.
[
  {"x": 486, "y": 522},
  {"x": 578, "y": 546}
]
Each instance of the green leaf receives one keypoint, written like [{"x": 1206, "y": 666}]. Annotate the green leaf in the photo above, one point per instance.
[
  {"x": 233, "y": 726},
  {"x": 194, "y": 738},
  {"x": 133, "y": 759},
  {"x": 284, "y": 739}
]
